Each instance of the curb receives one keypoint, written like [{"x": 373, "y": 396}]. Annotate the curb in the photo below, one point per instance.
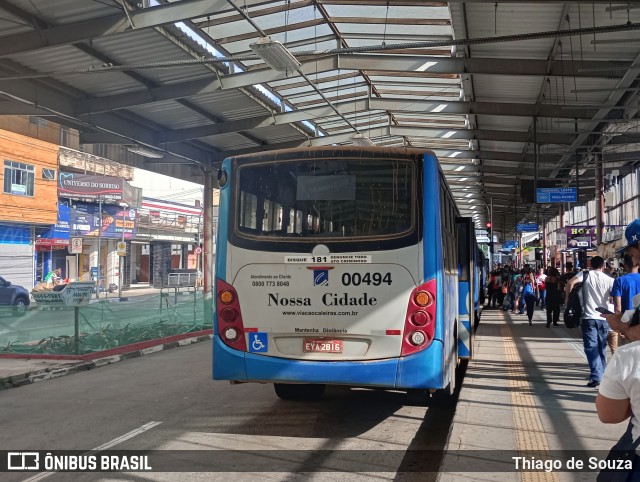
[{"x": 28, "y": 378}]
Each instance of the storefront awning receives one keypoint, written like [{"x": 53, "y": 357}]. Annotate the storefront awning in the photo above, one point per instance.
[{"x": 49, "y": 244}]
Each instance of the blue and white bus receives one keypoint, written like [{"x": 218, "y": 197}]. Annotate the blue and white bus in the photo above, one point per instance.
[{"x": 340, "y": 265}]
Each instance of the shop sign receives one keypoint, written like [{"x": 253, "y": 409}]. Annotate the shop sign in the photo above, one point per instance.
[
  {"x": 112, "y": 222},
  {"x": 584, "y": 237},
  {"x": 46, "y": 244},
  {"x": 86, "y": 186},
  {"x": 613, "y": 233}
]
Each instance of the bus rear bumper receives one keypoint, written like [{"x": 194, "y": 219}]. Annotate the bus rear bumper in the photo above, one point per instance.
[{"x": 422, "y": 370}]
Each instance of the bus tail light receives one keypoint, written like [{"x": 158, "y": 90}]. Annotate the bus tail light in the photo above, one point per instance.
[
  {"x": 230, "y": 326},
  {"x": 419, "y": 325}
]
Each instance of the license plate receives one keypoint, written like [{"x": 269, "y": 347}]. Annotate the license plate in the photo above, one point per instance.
[{"x": 323, "y": 346}]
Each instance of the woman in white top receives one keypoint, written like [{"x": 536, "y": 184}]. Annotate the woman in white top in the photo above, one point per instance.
[{"x": 619, "y": 391}]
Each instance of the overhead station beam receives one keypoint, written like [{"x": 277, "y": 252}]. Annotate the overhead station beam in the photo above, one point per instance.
[
  {"x": 42, "y": 97},
  {"x": 374, "y": 104},
  {"x": 363, "y": 62},
  {"x": 481, "y": 134},
  {"x": 18, "y": 108},
  {"x": 112, "y": 24}
]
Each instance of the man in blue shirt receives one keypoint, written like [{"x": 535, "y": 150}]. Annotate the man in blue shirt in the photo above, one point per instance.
[{"x": 627, "y": 286}]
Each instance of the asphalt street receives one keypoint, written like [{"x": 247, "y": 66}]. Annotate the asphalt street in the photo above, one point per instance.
[{"x": 212, "y": 430}]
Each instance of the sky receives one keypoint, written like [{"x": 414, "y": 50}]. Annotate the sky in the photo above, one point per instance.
[{"x": 166, "y": 188}]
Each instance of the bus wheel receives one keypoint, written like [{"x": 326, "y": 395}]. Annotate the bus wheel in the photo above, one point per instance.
[{"x": 290, "y": 391}]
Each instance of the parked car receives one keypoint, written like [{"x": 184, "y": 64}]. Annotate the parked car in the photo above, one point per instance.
[{"x": 13, "y": 295}]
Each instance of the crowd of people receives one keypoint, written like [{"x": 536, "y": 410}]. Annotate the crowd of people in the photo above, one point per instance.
[
  {"x": 521, "y": 291},
  {"x": 610, "y": 306}
]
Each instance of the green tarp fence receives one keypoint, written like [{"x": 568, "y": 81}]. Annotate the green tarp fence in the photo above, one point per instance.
[{"x": 100, "y": 325}]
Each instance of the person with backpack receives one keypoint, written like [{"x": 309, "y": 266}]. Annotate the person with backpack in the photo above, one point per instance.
[{"x": 597, "y": 290}]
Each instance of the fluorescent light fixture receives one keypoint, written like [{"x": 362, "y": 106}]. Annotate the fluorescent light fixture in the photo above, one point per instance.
[
  {"x": 469, "y": 195},
  {"x": 462, "y": 179},
  {"x": 459, "y": 168},
  {"x": 145, "y": 151},
  {"x": 454, "y": 154},
  {"x": 439, "y": 108},
  {"x": 425, "y": 66},
  {"x": 472, "y": 207},
  {"x": 360, "y": 140},
  {"x": 580, "y": 172},
  {"x": 275, "y": 55},
  {"x": 448, "y": 134}
]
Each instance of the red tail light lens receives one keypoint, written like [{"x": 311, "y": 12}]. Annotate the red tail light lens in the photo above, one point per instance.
[
  {"x": 228, "y": 310},
  {"x": 420, "y": 318},
  {"x": 229, "y": 315},
  {"x": 419, "y": 325}
]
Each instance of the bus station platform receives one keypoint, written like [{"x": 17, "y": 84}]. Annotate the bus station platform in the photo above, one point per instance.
[{"x": 525, "y": 394}]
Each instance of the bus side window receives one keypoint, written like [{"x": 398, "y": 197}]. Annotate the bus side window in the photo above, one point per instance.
[{"x": 248, "y": 210}]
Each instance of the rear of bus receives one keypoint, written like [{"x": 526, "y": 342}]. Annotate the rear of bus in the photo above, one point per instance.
[{"x": 329, "y": 270}]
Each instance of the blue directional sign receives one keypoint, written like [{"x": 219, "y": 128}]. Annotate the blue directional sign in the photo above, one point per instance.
[
  {"x": 509, "y": 244},
  {"x": 527, "y": 227},
  {"x": 556, "y": 195}
]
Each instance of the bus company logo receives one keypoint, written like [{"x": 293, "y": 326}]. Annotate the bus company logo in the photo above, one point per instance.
[{"x": 320, "y": 275}]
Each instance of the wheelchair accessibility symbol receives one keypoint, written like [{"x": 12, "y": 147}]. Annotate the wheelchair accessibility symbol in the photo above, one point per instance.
[{"x": 258, "y": 342}]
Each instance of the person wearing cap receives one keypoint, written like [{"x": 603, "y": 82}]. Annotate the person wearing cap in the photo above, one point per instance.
[
  {"x": 596, "y": 289},
  {"x": 631, "y": 256}
]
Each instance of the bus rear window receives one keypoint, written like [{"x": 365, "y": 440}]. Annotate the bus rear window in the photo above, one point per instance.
[{"x": 335, "y": 199}]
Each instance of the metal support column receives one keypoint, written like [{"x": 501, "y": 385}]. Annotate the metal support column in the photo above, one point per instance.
[
  {"x": 491, "y": 256},
  {"x": 208, "y": 257},
  {"x": 98, "y": 280},
  {"x": 599, "y": 197}
]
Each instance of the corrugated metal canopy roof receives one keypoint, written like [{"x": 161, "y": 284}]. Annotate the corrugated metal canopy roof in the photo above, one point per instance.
[{"x": 180, "y": 76}]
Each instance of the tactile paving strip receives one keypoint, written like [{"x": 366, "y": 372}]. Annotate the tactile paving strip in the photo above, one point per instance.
[{"x": 531, "y": 440}]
